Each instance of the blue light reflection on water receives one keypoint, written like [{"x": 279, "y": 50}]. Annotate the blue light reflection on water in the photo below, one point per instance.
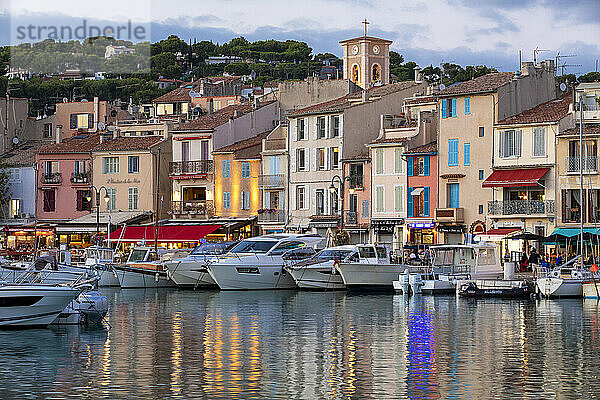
[{"x": 292, "y": 344}]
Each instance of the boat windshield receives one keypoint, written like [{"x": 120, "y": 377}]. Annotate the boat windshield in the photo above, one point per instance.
[
  {"x": 210, "y": 249},
  {"x": 367, "y": 252},
  {"x": 137, "y": 255},
  {"x": 454, "y": 256},
  {"x": 253, "y": 246},
  {"x": 487, "y": 256},
  {"x": 331, "y": 254}
]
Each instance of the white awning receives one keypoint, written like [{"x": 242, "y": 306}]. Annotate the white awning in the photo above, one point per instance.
[{"x": 416, "y": 192}]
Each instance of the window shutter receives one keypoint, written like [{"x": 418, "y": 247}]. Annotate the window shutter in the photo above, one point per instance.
[
  {"x": 426, "y": 201},
  {"x": 426, "y": 165},
  {"x": 294, "y": 203},
  {"x": 397, "y": 160},
  {"x": 281, "y": 196},
  {"x": 293, "y": 160},
  {"x": 73, "y": 121},
  {"x": 518, "y": 143},
  {"x": 467, "y": 154},
  {"x": 583, "y": 208},
  {"x": 502, "y": 143},
  {"x": 454, "y": 108},
  {"x": 467, "y": 105},
  {"x": 410, "y": 202},
  {"x": 563, "y": 196},
  {"x": 327, "y": 125},
  {"x": 315, "y": 167},
  {"x": 315, "y": 127},
  {"x": 398, "y": 199},
  {"x": 444, "y": 108},
  {"x": 295, "y": 129},
  {"x": 326, "y": 203},
  {"x": 267, "y": 203},
  {"x": 314, "y": 202},
  {"x": 409, "y": 164},
  {"x": 365, "y": 208},
  {"x": 539, "y": 142},
  {"x": 79, "y": 200},
  {"x": 341, "y": 130},
  {"x": 90, "y": 121}
]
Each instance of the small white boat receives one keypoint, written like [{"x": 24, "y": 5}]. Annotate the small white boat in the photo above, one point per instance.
[
  {"x": 369, "y": 266},
  {"x": 258, "y": 262},
  {"x": 191, "y": 271},
  {"x": 142, "y": 270},
  {"x": 33, "y": 305},
  {"x": 88, "y": 308},
  {"x": 45, "y": 270},
  {"x": 563, "y": 282},
  {"x": 102, "y": 259},
  {"x": 319, "y": 272}
]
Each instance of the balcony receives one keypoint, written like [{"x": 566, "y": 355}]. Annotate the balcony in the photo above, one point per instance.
[
  {"x": 272, "y": 181},
  {"x": 203, "y": 208},
  {"x": 590, "y": 164},
  {"x": 191, "y": 167},
  {"x": 351, "y": 218},
  {"x": 521, "y": 207},
  {"x": 53, "y": 178},
  {"x": 450, "y": 215},
  {"x": 271, "y": 216},
  {"x": 80, "y": 177}
]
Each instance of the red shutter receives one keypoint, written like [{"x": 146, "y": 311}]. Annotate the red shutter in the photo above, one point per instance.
[{"x": 79, "y": 200}]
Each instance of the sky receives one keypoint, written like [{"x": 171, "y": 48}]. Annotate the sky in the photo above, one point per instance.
[{"x": 465, "y": 32}]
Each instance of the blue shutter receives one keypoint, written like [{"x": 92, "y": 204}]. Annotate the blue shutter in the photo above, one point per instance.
[
  {"x": 426, "y": 166},
  {"x": 454, "y": 200},
  {"x": 444, "y": 108},
  {"x": 453, "y": 108},
  {"x": 426, "y": 201},
  {"x": 467, "y": 153},
  {"x": 410, "y": 202},
  {"x": 467, "y": 105},
  {"x": 452, "y": 152},
  {"x": 409, "y": 163}
]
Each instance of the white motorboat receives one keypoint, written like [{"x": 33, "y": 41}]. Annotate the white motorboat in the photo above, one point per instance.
[
  {"x": 43, "y": 270},
  {"x": 33, "y": 305},
  {"x": 369, "y": 266},
  {"x": 191, "y": 271},
  {"x": 88, "y": 308},
  {"x": 564, "y": 282},
  {"x": 258, "y": 263},
  {"x": 319, "y": 272},
  {"x": 142, "y": 270},
  {"x": 102, "y": 259}
]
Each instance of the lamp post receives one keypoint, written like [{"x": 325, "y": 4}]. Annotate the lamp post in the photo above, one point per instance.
[
  {"x": 106, "y": 199},
  {"x": 332, "y": 189}
]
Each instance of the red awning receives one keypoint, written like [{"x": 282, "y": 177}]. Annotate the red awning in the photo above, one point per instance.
[
  {"x": 168, "y": 233},
  {"x": 515, "y": 177}
]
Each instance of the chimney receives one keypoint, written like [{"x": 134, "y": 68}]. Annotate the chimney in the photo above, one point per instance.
[
  {"x": 365, "y": 96},
  {"x": 209, "y": 106},
  {"x": 256, "y": 103},
  {"x": 236, "y": 114},
  {"x": 58, "y": 134},
  {"x": 418, "y": 76}
]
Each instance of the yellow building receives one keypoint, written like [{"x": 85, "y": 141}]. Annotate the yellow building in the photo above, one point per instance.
[{"x": 237, "y": 195}]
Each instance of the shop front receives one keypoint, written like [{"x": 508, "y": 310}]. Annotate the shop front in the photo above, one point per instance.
[
  {"x": 23, "y": 239},
  {"x": 453, "y": 234},
  {"x": 421, "y": 233},
  {"x": 388, "y": 231}
]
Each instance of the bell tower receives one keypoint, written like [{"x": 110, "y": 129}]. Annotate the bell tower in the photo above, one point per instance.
[{"x": 367, "y": 60}]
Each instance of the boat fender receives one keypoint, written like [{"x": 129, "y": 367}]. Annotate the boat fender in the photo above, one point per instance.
[
  {"x": 156, "y": 277},
  {"x": 276, "y": 273},
  {"x": 555, "y": 274}
]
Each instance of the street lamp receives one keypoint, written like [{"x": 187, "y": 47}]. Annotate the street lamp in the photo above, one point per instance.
[
  {"x": 332, "y": 190},
  {"x": 106, "y": 199}
]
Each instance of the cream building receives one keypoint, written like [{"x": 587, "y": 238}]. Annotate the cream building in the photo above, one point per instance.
[{"x": 367, "y": 61}]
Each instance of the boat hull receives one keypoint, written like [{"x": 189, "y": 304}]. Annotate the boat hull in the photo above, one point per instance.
[
  {"x": 131, "y": 278},
  {"x": 365, "y": 276},
  {"x": 190, "y": 274},
  {"x": 560, "y": 287},
  {"x": 496, "y": 289},
  {"x": 26, "y": 306},
  {"x": 254, "y": 277},
  {"x": 317, "y": 278},
  {"x": 591, "y": 289}
]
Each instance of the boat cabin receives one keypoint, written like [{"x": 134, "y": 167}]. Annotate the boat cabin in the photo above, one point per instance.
[
  {"x": 466, "y": 259},
  {"x": 144, "y": 254},
  {"x": 369, "y": 254}
]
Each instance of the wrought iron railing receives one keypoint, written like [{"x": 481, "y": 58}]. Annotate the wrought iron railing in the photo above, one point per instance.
[
  {"x": 351, "y": 218},
  {"x": 521, "y": 207},
  {"x": 80, "y": 177},
  {"x": 271, "y": 180},
  {"x": 573, "y": 164},
  {"x": 197, "y": 207},
  {"x": 192, "y": 167},
  {"x": 271, "y": 216},
  {"x": 53, "y": 178}
]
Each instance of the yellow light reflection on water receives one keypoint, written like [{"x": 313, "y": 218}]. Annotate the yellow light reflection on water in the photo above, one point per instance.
[
  {"x": 351, "y": 363},
  {"x": 255, "y": 371},
  {"x": 176, "y": 354},
  {"x": 235, "y": 356}
]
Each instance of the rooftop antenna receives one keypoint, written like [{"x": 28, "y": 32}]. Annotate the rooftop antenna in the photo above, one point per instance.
[
  {"x": 560, "y": 56},
  {"x": 537, "y": 51},
  {"x": 365, "y": 23},
  {"x": 565, "y": 65}
]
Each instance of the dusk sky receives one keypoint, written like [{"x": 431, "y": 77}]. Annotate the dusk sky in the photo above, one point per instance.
[{"x": 465, "y": 32}]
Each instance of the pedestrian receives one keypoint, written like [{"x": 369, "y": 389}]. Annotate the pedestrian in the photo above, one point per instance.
[
  {"x": 559, "y": 260},
  {"x": 523, "y": 263}
]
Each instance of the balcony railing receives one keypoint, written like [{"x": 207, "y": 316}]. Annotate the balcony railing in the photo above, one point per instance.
[
  {"x": 271, "y": 180},
  {"x": 191, "y": 167},
  {"x": 271, "y": 216},
  {"x": 453, "y": 215},
  {"x": 521, "y": 207},
  {"x": 351, "y": 218},
  {"x": 195, "y": 207},
  {"x": 590, "y": 163},
  {"x": 80, "y": 177},
  {"x": 53, "y": 178}
]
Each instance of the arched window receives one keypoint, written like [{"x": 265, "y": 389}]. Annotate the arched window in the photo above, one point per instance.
[
  {"x": 376, "y": 73},
  {"x": 355, "y": 73}
]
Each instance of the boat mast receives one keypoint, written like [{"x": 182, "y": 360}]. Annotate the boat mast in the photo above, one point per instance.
[
  {"x": 581, "y": 166},
  {"x": 156, "y": 205}
]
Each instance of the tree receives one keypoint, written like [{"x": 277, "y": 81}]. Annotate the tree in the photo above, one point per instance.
[
  {"x": 590, "y": 77},
  {"x": 5, "y": 193},
  {"x": 237, "y": 69},
  {"x": 395, "y": 59}
]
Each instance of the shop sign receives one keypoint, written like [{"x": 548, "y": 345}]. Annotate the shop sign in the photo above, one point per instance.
[
  {"x": 450, "y": 229},
  {"x": 127, "y": 180},
  {"x": 386, "y": 225},
  {"x": 421, "y": 225},
  {"x": 323, "y": 224}
]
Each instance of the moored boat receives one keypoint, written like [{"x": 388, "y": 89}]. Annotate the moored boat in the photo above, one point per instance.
[
  {"x": 369, "y": 266},
  {"x": 496, "y": 288},
  {"x": 319, "y": 272},
  {"x": 142, "y": 270}
]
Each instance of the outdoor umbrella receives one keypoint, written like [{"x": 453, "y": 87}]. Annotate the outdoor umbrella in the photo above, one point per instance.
[{"x": 528, "y": 236}]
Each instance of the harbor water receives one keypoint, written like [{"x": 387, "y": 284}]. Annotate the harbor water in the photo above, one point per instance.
[{"x": 310, "y": 345}]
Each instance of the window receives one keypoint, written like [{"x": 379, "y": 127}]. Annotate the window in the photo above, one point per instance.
[
  {"x": 203, "y": 150},
  {"x": 320, "y": 127},
  {"x": 452, "y": 195},
  {"x": 47, "y": 131},
  {"x": 379, "y": 203},
  {"x": 216, "y": 105},
  {"x": 467, "y": 153},
  {"x": 398, "y": 199},
  {"x": 449, "y": 108},
  {"x": 334, "y": 201},
  {"x": 300, "y": 200},
  {"x": 245, "y": 170},
  {"x": 112, "y": 202},
  {"x": 481, "y": 131},
  {"x": 302, "y": 160},
  {"x": 245, "y": 201},
  {"x": 481, "y": 209},
  {"x": 379, "y": 161},
  {"x": 335, "y": 158},
  {"x": 418, "y": 201},
  {"x": 321, "y": 159},
  {"x": 110, "y": 165},
  {"x": 133, "y": 164},
  {"x": 539, "y": 142},
  {"x": 51, "y": 167},
  {"x": 320, "y": 199},
  {"x": 14, "y": 175},
  {"x": 226, "y": 200},
  {"x": 356, "y": 175},
  {"x": 301, "y": 129},
  {"x": 453, "y": 152},
  {"x": 79, "y": 168},
  {"x": 83, "y": 204},
  {"x": 230, "y": 102},
  {"x": 336, "y": 126},
  {"x": 481, "y": 175},
  {"x": 185, "y": 151},
  {"x": 49, "y": 200},
  {"x": 15, "y": 208},
  {"x": 133, "y": 198},
  {"x": 510, "y": 143},
  {"x": 398, "y": 160},
  {"x": 375, "y": 73},
  {"x": 81, "y": 121},
  {"x": 418, "y": 166},
  {"x": 226, "y": 168},
  {"x": 467, "y": 105},
  {"x": 365, "y": 208}
]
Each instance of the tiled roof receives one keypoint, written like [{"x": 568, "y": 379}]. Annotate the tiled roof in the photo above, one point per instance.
[
  {"x": 22, "y": 156},
  {"x": 420, "y": 100},
  {"x": 345, "y": 102},
  {"x": 129, "y": 143},
  {"x": 589, "y": 129},
  {"x": 179, "y": 94},
  {"x": 481, "y": 84},
  {"x": 77, "y": 144},
  {"x": 550, "y": 111},
  {"x": 426, "y": 148},
  {"x": 211, "y": 121},
  {"x": 244, "y": 144}
]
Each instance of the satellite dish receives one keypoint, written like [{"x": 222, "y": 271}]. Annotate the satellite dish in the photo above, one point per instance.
[
  {"x": 101, "y": 125},
  {"x": 563, "y": 87},
  {"x": 65, "y": 100},
  {"x": 113, "y": 113},
  {"x": 15, "y": 141},
  {"x": 84, "y": 100},
  {"x": 442, "y": 86}
]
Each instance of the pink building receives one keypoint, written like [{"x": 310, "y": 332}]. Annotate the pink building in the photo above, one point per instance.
[{"x": 64, "y": 178}]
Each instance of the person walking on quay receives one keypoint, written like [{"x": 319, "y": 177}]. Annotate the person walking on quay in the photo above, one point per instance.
[
  {"x": 534, "y": 259},
  {"x": 559, "y": 260}
]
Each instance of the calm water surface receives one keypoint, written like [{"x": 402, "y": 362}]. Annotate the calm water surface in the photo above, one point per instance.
[{"x": 304, "y": 345}]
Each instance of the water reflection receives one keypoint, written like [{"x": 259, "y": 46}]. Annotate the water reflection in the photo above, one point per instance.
[{"x": 291, "y": 344}]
